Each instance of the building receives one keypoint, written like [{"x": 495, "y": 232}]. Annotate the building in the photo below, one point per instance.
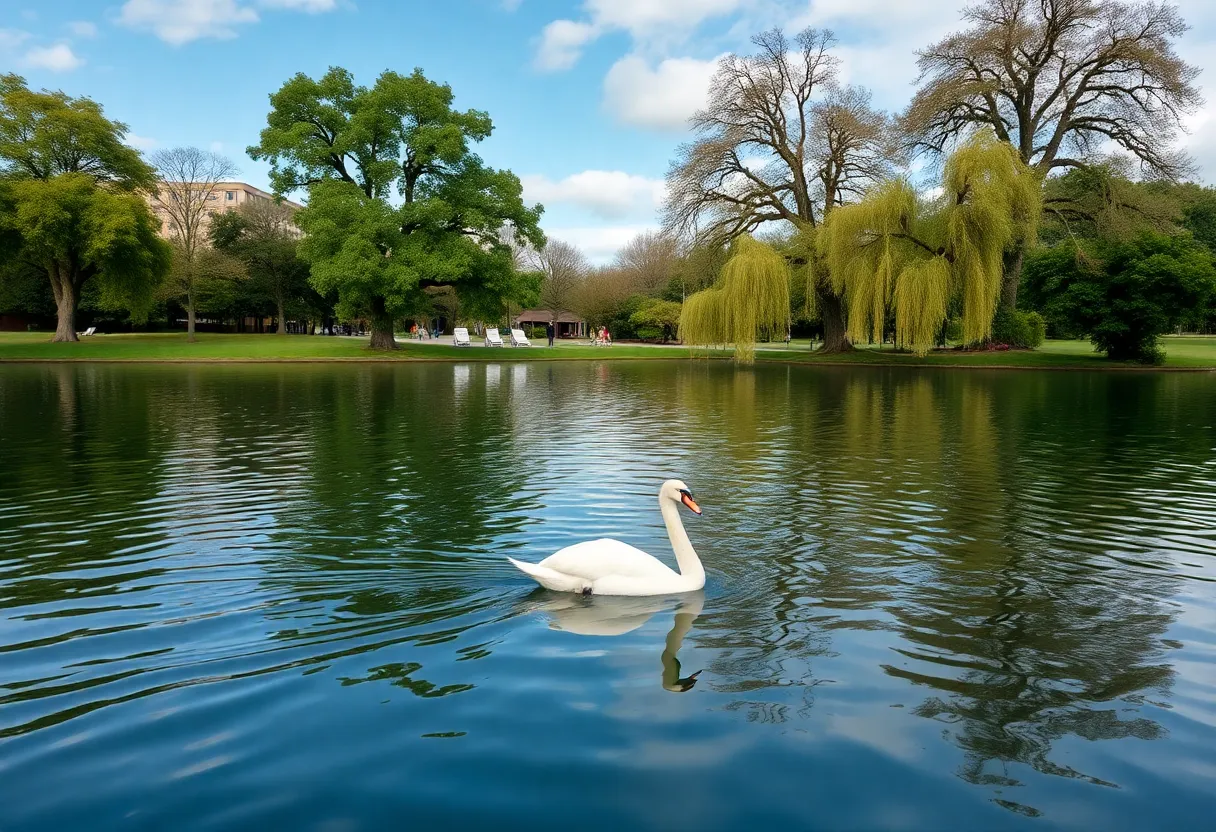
[
  {"x": 567, "y": 324},
  {"x": 227, "y": 196}
]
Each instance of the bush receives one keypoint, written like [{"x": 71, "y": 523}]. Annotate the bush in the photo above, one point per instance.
[
  {"x": 954, "y": 329},
  {"x": 1024, "y": 330}
]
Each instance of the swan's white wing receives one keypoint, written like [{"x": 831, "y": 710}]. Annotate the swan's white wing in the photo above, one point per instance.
[{"x": 595, "y": 559}]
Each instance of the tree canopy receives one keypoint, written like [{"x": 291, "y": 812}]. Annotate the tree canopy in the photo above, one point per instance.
[
  {"x": 397, "y": 201},
  {"x": 750, "y": 301},
  {"x": 897, "y": 248},
  {"x": 68, "y": 202}
]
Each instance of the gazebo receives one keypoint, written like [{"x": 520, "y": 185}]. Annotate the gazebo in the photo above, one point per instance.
[{"x": 567, "y": 324}]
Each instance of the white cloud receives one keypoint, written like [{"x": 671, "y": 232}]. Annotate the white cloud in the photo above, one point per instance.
[
  {"x": 12, "y": 38},
  {"x": 663, "y": 97},
  {"x": 309, "y": 6},
  {"x": 217, "y": 147},
  {"x": 648, "y": 21},
  {"x": 599, "y": 243},
  {"x": 83, "y": 29},
  {"x": 611, "y": 194},
  {"x": 561, "y": 44},
  {"x": 57, "y": 58},
  {"x": 647, "y": 18},
  {"x": 181, "y": 21},
  {"x": 141, "y": 142}
]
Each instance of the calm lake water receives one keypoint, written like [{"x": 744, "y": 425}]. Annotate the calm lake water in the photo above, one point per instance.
[{"x": 277, "y": 597}]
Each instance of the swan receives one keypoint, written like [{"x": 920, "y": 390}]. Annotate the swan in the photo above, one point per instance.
[{"x": 610, "y": 567}]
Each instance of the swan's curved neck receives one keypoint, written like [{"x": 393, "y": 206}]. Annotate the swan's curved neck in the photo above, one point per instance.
[{"x": 690, "y": 565}]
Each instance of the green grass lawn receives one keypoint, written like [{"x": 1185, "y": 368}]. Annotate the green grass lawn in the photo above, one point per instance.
[{"x": 1181, "y": 352}]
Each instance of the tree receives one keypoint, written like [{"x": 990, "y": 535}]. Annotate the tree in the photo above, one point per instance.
[
  {"x": 663, "y": 315},
  {"x": 189, "y": 184},
  {"x": 751, "y": 300},
  {"x": 896, "y": 249},
  {"x": 262, "y": 235},
  {"x": 352, "y": 147},
  {"x": 563, "y": 268},
  {"x": 1125, "y": 295},
  {"x": 1058, "y": 80},
  {"x": 69, "y": 206},
  {"x": 779, "y": 142},
  {"x": 649, "y": 261}
]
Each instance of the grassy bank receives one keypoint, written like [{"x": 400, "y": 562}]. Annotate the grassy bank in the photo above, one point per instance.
[{"x": 1181, "y": 352}]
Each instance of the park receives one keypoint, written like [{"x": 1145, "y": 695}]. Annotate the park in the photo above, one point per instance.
[{"x": 642, "y": 416}]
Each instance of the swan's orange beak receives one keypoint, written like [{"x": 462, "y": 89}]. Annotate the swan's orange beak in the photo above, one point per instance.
[{"x": 687, "y": 500}]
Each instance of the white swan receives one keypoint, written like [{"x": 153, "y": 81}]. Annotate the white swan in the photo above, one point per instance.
[{"x": 610, "y": 567}]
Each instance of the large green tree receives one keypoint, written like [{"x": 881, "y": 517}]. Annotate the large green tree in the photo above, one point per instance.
[
  {"x": 397, "y": 201},
  {"x": 69, "y": 201},
  {"x": 1062, "y": 81}
]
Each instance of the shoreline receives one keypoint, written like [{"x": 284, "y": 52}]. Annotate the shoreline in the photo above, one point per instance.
[{"x": 508, "y": 358}]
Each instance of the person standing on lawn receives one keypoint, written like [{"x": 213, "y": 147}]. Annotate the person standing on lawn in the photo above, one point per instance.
[{"x": 551, "y": 331}]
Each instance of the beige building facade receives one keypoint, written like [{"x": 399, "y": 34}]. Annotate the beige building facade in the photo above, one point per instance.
[{"x": 227, "y": 196}]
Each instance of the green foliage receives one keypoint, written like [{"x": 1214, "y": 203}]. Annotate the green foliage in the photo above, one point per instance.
[
  {"x": 1016, "y": 328},
  {"x": 663, "y": 316},
  {"x": 353, "y": 147},
  {"x": 1124, "y": 295},
  {"x": 45, "y": 134},
  {"x": 261, "y": 236},
  {"x": 108, "y": 236},
  {"x": 751, "y": 301},
  {"x": 68, "y": 206},
  {"x": 896, "y": 249}
]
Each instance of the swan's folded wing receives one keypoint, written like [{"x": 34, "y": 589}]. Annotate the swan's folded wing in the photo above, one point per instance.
[{"x": 594, "y": 559}]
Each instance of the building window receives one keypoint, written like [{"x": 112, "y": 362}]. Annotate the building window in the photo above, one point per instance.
[{"x": 230, "y": 195}]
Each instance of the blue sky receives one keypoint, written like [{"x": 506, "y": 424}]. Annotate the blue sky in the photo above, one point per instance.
[{"x": 588, "y": 98}]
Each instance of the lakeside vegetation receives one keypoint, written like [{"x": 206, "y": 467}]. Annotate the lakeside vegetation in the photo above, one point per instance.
[
  {"x": 1181, "y": 352},
  {"x": 1063, "y": 209}
]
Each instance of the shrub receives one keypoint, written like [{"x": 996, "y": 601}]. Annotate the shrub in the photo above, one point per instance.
[{"x": 1024, "y": 330}]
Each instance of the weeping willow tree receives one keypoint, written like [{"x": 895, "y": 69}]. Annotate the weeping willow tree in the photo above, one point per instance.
[
  {"x": 896, "y": 250},
  {"x": 751, "y": 300}
]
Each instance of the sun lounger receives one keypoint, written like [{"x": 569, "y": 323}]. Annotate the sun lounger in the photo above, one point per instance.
[
  {"x": 90, "y": 331},
  {"x": 493, "y": 339},
  {"x": 460, "y": 337},
  {"x": 518, "y": 339}
]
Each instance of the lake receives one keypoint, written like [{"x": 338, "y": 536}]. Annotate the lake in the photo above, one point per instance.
[{"x": 277, "y": 597}]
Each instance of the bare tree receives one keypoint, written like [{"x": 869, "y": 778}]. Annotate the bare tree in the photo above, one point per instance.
[
  {"x": 1060, "y": 80},
  {"x": 649, "y": 260},
  {"x": 564, "y": 268},
  {"x": 778, "y": 142},
  {"x": 187, "y": 193}
]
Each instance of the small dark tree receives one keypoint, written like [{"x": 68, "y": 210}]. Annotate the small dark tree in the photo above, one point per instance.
[{"x": 1124, "y": 295}]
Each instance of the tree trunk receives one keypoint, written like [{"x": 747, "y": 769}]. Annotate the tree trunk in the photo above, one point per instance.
[
  {"x": 66, "y": 299},
  {"x": 835, "y": 332},
  {"x": 190, "y": 316},
  {"x": 382, "y": 326},
  {"x": 1011, "y": 276},
  {"x": 282, "y": 317}
]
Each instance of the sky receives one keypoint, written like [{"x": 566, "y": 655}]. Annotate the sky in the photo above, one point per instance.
[{"x": 589, "y": 99}]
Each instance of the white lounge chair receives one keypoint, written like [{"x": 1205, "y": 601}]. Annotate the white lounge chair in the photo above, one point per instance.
[
  {"x": 518, "y": 339},
  {"x": 493, "y": 339},
  {"x": 460, "y": 337},
  {"x": 90, "y": 331}
]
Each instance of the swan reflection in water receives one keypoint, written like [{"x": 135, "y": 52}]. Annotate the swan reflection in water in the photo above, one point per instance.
[{"x": 608, "y": 615}]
